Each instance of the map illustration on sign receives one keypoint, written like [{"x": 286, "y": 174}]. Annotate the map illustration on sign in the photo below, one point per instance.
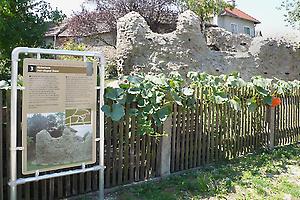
[{"x": 59, "y": 108}]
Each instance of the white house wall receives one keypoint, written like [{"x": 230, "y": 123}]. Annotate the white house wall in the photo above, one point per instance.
[{"x": 226, "y": 21}]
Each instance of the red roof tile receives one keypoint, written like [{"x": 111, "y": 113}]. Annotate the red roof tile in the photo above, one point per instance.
[{"x": 240, "y": 14}]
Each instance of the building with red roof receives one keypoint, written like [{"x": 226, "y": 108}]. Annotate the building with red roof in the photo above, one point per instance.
[{"x": 237, "y": 22}]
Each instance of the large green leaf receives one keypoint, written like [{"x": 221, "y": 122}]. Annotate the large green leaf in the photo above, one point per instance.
[
  {"x": 107, "y": 110},
  {"x": 268, "y": 100},
  {"x": 220, "y": 97},
  {"x": 261, "y": 91},
  {"x": 158, "y": 80},
  {"x": 146, "y": 93},
  {"x": 187, "y": 91},
  {"x": 176, "y": 98},
  {"x": 192, "y": 75},
  {"x": 142, "y": 103},
  {"x": 175, "y": 75},
  {"x": 203, "y": 76},
  {"x": 235, "y": 103},
  {"x": 134, "y": 79},
  {"x": 159, "y": 96},
  {"x": 149, "y": 109},
  {"x": 124, "y": 86},
  {"x": 232, "y": 81},
  {"x": 113, "y": 93},
  {"x": 235, "y": 74},
  {"x": 117, "y": 112},
  {"x": 261, "y": 82},
  {"x": 252, "y": 104},
  {"x": 163, "y": 113},
  {"x": 122, "y": 99},
  {"x": 134, "y": 90},
  {"x": 133, "y": 112}
]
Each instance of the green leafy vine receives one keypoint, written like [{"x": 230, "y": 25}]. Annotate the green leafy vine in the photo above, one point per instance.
[{"x": 151, "y": 97}]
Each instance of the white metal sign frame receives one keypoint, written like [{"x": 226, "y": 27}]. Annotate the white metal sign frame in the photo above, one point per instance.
[{"x": 14, "y": 180}]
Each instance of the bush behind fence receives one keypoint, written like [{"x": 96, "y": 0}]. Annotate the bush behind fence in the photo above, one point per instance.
[{"x": 198, "y": 136}]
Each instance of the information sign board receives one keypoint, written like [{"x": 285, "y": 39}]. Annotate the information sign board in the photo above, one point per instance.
[{"x": 58, "y": 114}]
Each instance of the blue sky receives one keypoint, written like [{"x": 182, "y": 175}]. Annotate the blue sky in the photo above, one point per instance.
[{"x": 264, "y": 10}]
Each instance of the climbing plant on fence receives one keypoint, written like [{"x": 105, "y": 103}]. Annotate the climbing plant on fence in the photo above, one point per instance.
[{"x": 154, "y": 95}]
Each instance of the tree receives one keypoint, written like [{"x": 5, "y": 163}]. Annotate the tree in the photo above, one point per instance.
[
  {"x": 23, "y": 23},
  {"x": 155, "y": 12},
  {"x": 292, "y": 9},
  {"x": 51, "y": 121},
  {"x": 205, "y": 9},
  {"x": 35, "y": 124}
]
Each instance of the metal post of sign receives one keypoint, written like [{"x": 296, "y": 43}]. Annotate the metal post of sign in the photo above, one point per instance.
[
  {"x": 101, "y": 126},
  {"x": 14, "y": 181}
]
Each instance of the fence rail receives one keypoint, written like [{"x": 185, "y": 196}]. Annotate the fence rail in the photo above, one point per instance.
[{"x": 204, "y": 134}]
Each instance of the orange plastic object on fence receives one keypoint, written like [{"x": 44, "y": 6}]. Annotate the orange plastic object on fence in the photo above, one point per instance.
[{"x": 275, "y": 102}]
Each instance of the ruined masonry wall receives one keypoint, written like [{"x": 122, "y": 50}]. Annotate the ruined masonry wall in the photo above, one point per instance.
[
  {"x": 63, "y": 150},
  {"x": 138, "y": 48},
  {"x": 185, "y": 49}
]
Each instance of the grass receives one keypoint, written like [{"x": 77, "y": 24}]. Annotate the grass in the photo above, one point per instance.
[
  {"x": 33, "y": 167},
  {"x": 265, "y": 176}
]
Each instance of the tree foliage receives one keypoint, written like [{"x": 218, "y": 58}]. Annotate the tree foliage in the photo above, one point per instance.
[
  {"x": 155, "y": 12},
  {"x": 205, "y": 9},
  {"x": 23, "y": 23},
  {"x": 53, "y": 123},
  {"x": 292, "y": 9}
]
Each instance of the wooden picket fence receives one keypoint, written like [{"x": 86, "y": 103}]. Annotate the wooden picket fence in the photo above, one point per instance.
[
  {"x": 129, "y": 157},
  {"x": 211, "y": 132},
  {"x": 287, "y": 120},
  {"x": 201, "y": 135}
]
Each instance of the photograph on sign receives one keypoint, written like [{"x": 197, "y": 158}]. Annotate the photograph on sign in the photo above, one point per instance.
[{"x": 59, "y": 114}]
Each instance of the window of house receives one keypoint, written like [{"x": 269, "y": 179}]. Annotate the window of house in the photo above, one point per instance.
[
  {"x": 234, "y": 28},
  {"x": 247, "y": 30}
]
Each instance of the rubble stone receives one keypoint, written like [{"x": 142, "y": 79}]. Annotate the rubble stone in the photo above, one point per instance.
[{"x": 219, "y": 39}]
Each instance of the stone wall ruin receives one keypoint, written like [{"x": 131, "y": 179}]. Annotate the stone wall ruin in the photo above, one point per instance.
[
  {"x": 140, "y": 49},
  {"x": 185, "y": 49},
  {"x": 66, "y": 149}
]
